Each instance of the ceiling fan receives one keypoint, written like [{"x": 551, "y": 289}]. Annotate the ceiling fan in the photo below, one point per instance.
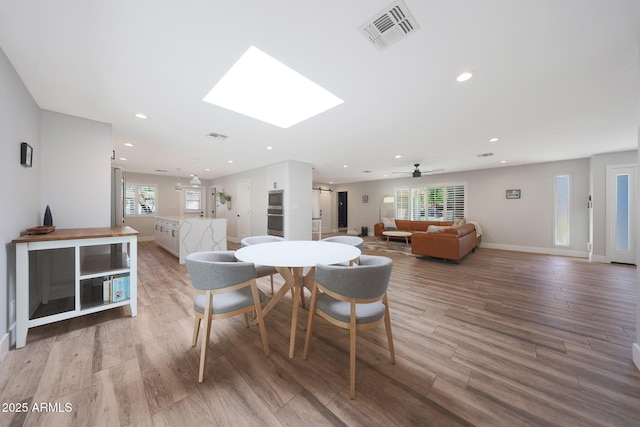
[{"x": 417, "y": 173}]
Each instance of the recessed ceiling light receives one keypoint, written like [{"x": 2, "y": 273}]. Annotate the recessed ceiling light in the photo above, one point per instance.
[
  {"x": 207, "y": 169},
  {"x": 345, "y": 166},
  {"x": 128, "y": 144},
  {"x": 229, "y": 161},
  {"x": 269, "y": 147},
  {"x": 265, "y": 89},
  {"x": 463, "y": 77},
  {"x": 330, "y": 182},
  {"x": 398, "y": 156},
  {"x": 141, "y": 116},
  {"x": 494, "y": 140},
  {"x": 503, "y": 161},
  {"x": 123, "y": 158}
]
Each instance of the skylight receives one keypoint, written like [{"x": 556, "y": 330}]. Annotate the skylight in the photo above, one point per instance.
[{"x": 263, "y": 88}]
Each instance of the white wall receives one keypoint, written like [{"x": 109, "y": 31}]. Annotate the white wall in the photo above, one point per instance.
[
  {"x": 300, "y": 207},
  {"x": 524, "y": 224},
  {"x": 527, "y": 223},
  {"x": 636, "y": 345},
  {"x": 71, "y": 157},
  {"x": 169, "y": 201},
  {"x": 299, "y": 211},
  {"x": 258, "y": 204},
  {"x": 19, "y": 122},
  {"x": 599, "y": 165},
  {"x": 76, "y": 170}
]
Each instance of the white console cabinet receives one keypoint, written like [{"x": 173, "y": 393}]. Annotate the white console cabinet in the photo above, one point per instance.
[{"x": 65, "y": 274}]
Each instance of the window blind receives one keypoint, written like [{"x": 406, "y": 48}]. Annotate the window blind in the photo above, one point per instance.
[
  {"x": 146, "y": 199},
  {"x": 193, "y": 200},
  {"x": 402, "y": 203},
  {"x": 439, "y": 202}
]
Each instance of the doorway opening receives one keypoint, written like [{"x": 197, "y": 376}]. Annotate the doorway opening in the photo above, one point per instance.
[{"x": 342, "y": 211}]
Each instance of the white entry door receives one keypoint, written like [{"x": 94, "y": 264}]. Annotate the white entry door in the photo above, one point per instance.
[
  {"x": 243, "y": 208},
  {"x": 621, "y": 214}
]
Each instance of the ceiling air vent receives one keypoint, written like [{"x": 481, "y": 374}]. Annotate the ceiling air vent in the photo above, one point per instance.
[
  {"x": 217, "y": 136},
  {"x": 391, "y": 24},
  {"x": 485, "y": 155}
]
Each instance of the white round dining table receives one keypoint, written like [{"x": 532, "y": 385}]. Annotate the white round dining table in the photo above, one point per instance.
[{"x": 290, "y": 257}]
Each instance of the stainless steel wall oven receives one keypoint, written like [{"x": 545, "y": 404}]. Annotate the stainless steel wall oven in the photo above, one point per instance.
[{"x": 275, "y": 213}]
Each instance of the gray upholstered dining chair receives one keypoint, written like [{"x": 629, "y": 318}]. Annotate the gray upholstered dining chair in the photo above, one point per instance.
[
  {"x": 353, "y": 298},
  {"x": 356, "y": 241},
  {"x": 262, "y": 270},
  {"x": 227, "y": 288}
]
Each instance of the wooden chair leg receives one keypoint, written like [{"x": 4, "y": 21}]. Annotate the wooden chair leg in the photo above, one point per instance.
[
  {"x": 205, "y": 339},
  {"x": 196, "y": 329},
  {"x": 271, "y": 284},
  {"x": 312, "y": 312},
  {"x": 298, "y": 274},
  {"x": 258, "y": 311},
  {"x": 352, "y": 352},
  {"x": 246, "y": 319},
  {"x": 387, "y": 326}
]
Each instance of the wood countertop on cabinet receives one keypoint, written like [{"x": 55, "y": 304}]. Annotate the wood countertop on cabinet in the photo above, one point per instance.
[{"x": 77, "y": 233}]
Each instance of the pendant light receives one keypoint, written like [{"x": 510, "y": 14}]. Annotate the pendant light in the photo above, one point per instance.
[
  {"x": 178, "y": 186},
  {"x": 195, "y": 181}
]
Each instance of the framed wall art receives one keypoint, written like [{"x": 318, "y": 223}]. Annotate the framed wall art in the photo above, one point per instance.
[
  {"x": 513, "y": 194},
  {"x": 26, "y": 154}
]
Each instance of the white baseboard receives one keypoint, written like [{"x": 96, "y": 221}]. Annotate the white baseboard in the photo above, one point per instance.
[
  {"x": 636, "y": 354},
  {"x": 536, "y": 250},
  {"x": 146, "y": 239},
  {"x": 600, "y": 258},
  {"x": 5, "y": 344}
]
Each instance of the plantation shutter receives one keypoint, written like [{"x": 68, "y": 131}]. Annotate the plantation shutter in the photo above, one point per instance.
[
  {"x": 146, "y": 199},
  {"x": 455, "y": 202},
  {"x": 435, "y": 203},
  {"x": 130, "y": 200},
  {"x": 418, "y": 204},
  {"x": 440, "y": 202},
  {"x": 402, "y": 203},
  {"x": 193, "y": 200}
]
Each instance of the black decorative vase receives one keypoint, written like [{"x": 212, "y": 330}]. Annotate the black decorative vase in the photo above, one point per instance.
[{"x": 48, "y": 219}]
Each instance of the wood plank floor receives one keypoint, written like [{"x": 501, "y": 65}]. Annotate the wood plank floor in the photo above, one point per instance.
[{"x": 502, "y": 339}]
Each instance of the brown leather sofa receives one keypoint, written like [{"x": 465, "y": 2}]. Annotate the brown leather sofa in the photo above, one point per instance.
[
  {"x": 407, "y": 225},
  {"x": 452, "y": 243}
]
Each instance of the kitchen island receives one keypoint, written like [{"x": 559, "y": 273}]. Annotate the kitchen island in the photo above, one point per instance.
[{"x": 181, "y": 236}]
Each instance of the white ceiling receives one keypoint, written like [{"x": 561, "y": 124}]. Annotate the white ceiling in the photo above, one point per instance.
[{"x": 553, "y": 79}]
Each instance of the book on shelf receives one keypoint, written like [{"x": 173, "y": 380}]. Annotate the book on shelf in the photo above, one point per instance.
[
  {"x": 120, "y": 288},
  {"x": 106, "y": 289}
]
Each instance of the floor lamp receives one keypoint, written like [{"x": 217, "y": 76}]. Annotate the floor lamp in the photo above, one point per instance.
[{"x": 384, "y": 200}]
